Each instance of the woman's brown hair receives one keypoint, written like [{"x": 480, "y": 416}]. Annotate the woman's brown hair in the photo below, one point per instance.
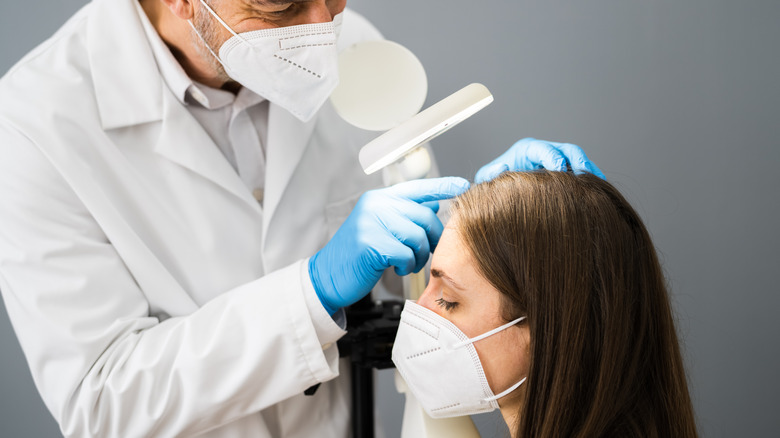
[{"x": 568, "y": 252}]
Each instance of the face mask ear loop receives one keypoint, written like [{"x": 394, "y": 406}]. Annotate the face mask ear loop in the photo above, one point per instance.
[
  {"x": 208, "y": 8},
  {"x": 490, "y": 333},
  {"x": 511, "y": 388},
  {"x": 205, "y": 43}
]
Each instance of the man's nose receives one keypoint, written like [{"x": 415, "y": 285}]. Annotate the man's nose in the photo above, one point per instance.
[{"x": 316, "y": 12}]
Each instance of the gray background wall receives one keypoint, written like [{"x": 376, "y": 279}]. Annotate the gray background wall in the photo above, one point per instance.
[{"x": 676, "y": 100}]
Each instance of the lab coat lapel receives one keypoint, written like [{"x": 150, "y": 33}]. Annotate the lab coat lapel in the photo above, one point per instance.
[
  {"x": 131, "y": 92},
  {"x": 287, "y": 140},
  {"x": 184, "y": 141},
  {"x": 124, "y": 72}
]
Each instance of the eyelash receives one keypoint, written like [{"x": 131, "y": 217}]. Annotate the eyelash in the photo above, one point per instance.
[{"x": 447, "y": 305}]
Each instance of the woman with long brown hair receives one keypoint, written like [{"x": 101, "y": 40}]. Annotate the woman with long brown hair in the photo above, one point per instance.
[{"x": 546, "y": 290}]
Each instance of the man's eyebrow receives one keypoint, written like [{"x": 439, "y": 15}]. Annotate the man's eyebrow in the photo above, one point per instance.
[{"x": 437, "y": 273}]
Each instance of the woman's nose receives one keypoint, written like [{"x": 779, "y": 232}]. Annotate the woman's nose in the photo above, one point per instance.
[{"x": 428, "y": 298}]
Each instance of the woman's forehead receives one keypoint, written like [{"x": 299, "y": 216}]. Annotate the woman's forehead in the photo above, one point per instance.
[{"x": 453, "y": 259}]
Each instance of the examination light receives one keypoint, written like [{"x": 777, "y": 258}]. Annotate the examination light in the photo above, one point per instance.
[{"x": 382, "y": 87}]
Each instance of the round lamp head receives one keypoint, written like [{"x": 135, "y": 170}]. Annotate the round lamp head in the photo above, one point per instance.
[{"x": 381, "y": 85}]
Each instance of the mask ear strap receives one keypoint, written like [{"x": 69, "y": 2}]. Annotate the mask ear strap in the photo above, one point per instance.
[
  {"x": 205, "y": 43},
  {"x": 490, "y": 333},
  {"x": 225, "y": 25},
  {"x": 511, "y": 388}
]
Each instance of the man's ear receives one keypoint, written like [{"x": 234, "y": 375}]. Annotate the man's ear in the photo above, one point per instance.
[{"x": 183, "y": 9}]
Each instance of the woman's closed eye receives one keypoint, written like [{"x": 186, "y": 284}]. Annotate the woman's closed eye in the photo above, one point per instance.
[{"x": 446, "y": 305}]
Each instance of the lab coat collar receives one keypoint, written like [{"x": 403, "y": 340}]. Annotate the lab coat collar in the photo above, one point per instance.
[
  {"x": 130, "y": 91},
  {"x": 126, "y": 80},
  {"x": 173, "y": 74}
]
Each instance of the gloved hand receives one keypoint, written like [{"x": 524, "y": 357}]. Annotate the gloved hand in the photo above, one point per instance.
[
  {"x": 532, "y": 154},
  {"x": 388, "y": 227}
]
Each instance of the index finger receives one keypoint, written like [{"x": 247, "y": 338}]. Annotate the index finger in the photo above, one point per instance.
[
  {"x": 542, "y": 154},
  {"x": 578, "y": 160},
  {"x": 433, "y": 189}
]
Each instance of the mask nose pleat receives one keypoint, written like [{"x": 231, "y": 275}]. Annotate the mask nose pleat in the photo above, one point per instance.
[{"x": 314, "y": 39}]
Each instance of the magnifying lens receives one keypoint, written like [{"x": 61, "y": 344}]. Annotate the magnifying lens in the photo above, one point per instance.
[{"x": 422, "y": 128}]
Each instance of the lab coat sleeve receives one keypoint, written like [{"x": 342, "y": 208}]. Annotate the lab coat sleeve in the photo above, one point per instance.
[
  {"x": 328, "y": 328},
  {"x": 103, "y": 365}
]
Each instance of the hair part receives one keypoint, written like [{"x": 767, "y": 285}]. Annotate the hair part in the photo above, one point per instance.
[{"x": 568, "y": 252}]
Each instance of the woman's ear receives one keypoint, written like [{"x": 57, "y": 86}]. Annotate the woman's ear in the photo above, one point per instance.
[{"x": 183, "y": 9}]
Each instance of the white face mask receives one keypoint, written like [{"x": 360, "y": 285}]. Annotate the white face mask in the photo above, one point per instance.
[
  {"x": 295, "y": 67},
  {"x": 441, "y": 365}
]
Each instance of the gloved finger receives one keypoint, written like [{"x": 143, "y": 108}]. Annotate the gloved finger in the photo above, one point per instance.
[
  {"x": 416, "y": 238},
  {"x": 526, "y": 154},
  {"x": 509, "y": 160},
  {"x": 542, "y": 154},
  {"x": 433, "y": 189},
  {"x": 425, "y": 219},
  {"x": 490, "y": 171},
  {"x": 578, "y": 160},
  {"x": 433, "y": 205},
  {"x": 400, "y": 257},
  {"x": 387, "y": 251},
  {"x": 596, "y": 171}
]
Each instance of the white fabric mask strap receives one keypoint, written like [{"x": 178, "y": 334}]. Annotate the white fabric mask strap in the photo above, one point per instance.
[
  {"x": 490, "y": 333},
  {"x": 511, "y": 388},
  {"x": 205, "y": 43},
  {"x": 208, "y": 8}
]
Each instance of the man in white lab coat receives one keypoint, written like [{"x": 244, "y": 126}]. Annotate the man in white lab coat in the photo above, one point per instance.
[{"x": 172, "y": 254}]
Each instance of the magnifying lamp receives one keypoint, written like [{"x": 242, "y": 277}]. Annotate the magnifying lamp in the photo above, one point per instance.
[
  {"x": 423, "y": 127},
  {"x": 382, "y": 87}
]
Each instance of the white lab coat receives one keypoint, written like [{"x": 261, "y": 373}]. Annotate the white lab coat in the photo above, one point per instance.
[{"x": 150, "y": 292}]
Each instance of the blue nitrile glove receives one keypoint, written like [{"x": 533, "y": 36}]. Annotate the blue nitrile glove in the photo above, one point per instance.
[
  {"x": 532, "y": 154},
  {"x": 388, "y": 227}
]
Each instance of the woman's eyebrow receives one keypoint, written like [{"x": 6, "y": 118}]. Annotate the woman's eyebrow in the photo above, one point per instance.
[{"x": 437, "y": 273}]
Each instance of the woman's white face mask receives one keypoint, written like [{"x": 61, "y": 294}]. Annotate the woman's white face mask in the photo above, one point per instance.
[
  {"x": 441, "y": 366},
  {"x": 295, "y": 67}
]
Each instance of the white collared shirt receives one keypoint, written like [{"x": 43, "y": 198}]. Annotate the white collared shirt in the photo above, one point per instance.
[{"x": 237, "y": 123}]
